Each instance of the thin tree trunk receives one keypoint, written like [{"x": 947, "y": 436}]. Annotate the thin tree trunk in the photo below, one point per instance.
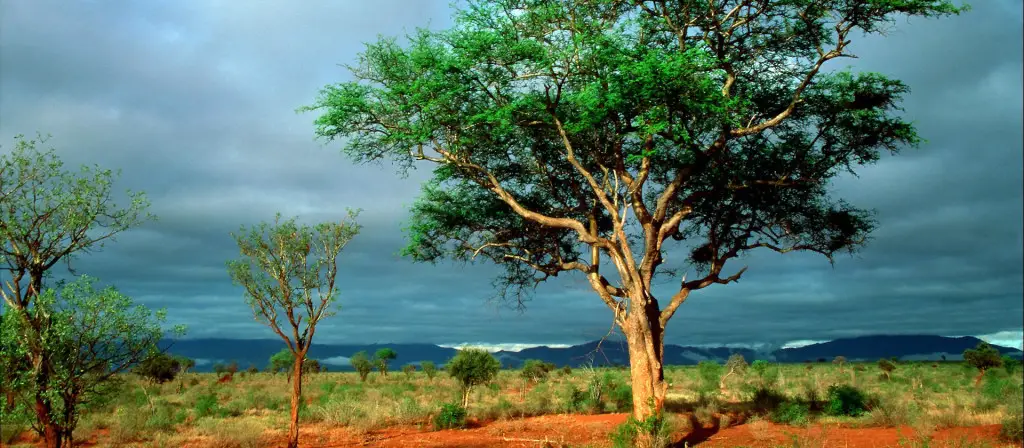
[{"x": 293, "y": 428}]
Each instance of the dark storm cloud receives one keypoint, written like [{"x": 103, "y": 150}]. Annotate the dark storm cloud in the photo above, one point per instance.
[{"x": 195, "y": 100}]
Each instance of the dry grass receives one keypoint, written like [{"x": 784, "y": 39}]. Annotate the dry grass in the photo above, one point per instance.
[{"x": 241, "y": 412}]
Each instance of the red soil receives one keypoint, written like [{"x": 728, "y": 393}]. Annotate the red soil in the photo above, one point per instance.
[{"x": 593, "y": 430}]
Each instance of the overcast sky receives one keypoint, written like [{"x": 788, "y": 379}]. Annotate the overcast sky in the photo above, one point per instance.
[{"x": 194, "y": 100}]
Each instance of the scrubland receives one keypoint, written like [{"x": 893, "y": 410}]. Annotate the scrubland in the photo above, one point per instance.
[{"x": 801, "y": 404}]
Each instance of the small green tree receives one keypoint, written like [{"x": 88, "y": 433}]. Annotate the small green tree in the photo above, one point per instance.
[
  {"x": 219, "y": 368},
  {"x": 186, "y": 363},
  {"x": 982, "y": 357},
  {"x": 887, "y": 367},
  {"x": 1010, "y": 365},
  {"x": 283, "y": 360},
  {"x": 361, "y": 362},
  {"x": 159, "y": 368},
  {"x": 429, "y": 369},
  {"x": 48, "y": 215},
  {"x": 311, "y": 366},
  {"x": 96, "y": 334},
  {"x": 409, "y": 370},
  {"x": 535, "y": 370},
  {"x": 735, "y": 365},
  {"x": 288, "y": 273},
  {"x": 839, "y": 361},
  {"x": 382, "y": 358},
  {"x": 472, "y": 367}
]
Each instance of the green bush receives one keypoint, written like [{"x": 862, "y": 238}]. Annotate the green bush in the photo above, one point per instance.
[
  {"x": 766, "y": 400},
  {"x": 1010, "y": 365},
  {"x": 472, "y": 367},
  {"x": 1012, "y": 429},
  {"x": 572, "y": 399},
  {"x": 361, "y": 362},
  {"x": 791, "y": 413},
  {"x": 536, "y": 370},
  {"x": 452, "y": 416},
  {"x": 429, "y": 369},
  {"x": 205, "y": 405},
  {"x": 845, "y": 400},
  {"x": 625, "y": 435}
]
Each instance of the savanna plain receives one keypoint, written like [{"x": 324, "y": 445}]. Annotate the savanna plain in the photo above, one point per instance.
[{"x": 913, "y": 404}]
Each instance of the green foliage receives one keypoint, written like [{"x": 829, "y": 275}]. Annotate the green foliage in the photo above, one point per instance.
[
  {"x": 1010, "y": 365},
  {"x": 409, "y": 370},
  {"x": 361, "y": 362},
  {"x": 845, "y": 399},
  {"x": 655, "y": 427},
  {"x": 736, "y": 363},
  {"x": 159, "y": 368},
  {"x": 90, "y": 335},
  {"x": 283, "y": 360},
  {"x": 287, "y": 269},
  {"x": 452, "y": 416},
  {"x": 791, "y": 413},
  {"x": 983, "y": 357},
  {"x": 536, "y": 370},
  {"x": 429, "y": 369},
  {"x": 541, "y": 121},
  {"x": 887, "y": 367},
  {"x": 472, "y": 366},
  {"x": 205, "y": 405},
  {"x": 381, "y": 359},
  {"x": 710, "y": 373}
]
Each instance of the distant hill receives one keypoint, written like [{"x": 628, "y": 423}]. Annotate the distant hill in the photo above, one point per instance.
[{"x": 610, "y": 352}]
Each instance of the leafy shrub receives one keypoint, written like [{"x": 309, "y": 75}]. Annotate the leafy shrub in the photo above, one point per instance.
[
  {"x": 845, "y": 400},
  {"x": 791, "y": 413},
  {"x": 381, "y": 359},
  {"x": 536, "y": 370},
  {"x": 621, "y": 396},
  {"x": 472, "y": 367},
  {"x": 710, "y": 374},
  {"x": 566, "y": 370},
  {"x": 361, "y": 362},
  {"x": 983, "y": 357},
  {"x": 1010, "y": 365},
  {"x": 205, "y": 405},
  {"x": 429, "y": 369},
  {"x": 626, "y": 434},
  {"x": 1012, "y": 429},
  {"x": 887, "y": 367},
  {"x": 572, "y": 399},
  {"x": 765, "y": 400},
  {"x": 408, "y": 370},
  {"x": 452, "y": 416},
  {"x": 159, "y": 368}
]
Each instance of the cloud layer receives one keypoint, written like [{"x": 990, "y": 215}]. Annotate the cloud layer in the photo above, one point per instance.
[{"x": 194, "y": 101}]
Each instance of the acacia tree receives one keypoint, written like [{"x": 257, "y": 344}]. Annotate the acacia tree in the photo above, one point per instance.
[
  {"x": 288, "y": 272},
  {"x": 591, "y": 136},
  {"x": 92, "y": 335},
  {"x": 50, "y": 215}
]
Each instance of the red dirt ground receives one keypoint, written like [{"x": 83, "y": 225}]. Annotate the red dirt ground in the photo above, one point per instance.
[{"x": 593, "y": 430}]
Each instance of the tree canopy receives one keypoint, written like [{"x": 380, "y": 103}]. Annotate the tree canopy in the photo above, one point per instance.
[{"x": 588, "y": 136}]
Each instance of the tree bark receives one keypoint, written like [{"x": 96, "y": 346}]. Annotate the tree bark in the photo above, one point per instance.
[
  {"x": 644, "y": 337},
  {"x": 293, "y": 428}
]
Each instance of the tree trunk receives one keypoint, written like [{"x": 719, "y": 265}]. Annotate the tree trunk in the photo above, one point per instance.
[
  {"x": 293, "y": 428},
  {"x": 644, "y": 336}
]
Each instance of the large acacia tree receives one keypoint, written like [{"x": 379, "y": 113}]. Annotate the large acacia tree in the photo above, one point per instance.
[
  {"x": 591, "y": 135},
  {"x": 288, "y": 272}
]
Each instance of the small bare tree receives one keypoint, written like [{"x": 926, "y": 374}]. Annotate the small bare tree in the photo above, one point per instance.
[{"x": 288, "y": 272}]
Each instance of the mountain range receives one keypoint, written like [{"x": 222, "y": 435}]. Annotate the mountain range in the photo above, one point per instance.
[{"x": 256, "y": 352}]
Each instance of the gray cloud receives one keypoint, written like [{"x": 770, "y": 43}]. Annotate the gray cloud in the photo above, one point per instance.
[{"x": 195, "y": 101}]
